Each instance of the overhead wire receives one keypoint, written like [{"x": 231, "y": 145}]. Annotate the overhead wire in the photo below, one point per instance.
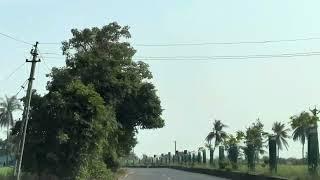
[
  {"x": 14, "y": 71},
  {"x": 43, "y": 60},
  {"x": 21, "y": 87},
  {"x": 16, "y": 39},
  {"x": 266, "y": 56},
  {"x": 212, "y": 58},
  {"x": 227, "y": 43},
  {"x": 210, "y": 43},
  {"x": 50, "y": 53}
]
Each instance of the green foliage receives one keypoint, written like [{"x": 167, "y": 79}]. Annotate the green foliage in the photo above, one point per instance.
[
  {"x": 94, "y": 107},
  {"x": 93, "y": 168},
  {"x": 300, "y": 124},
  {"x": 232, "y": 145},
  {"x": 69, "y": 125},
  {"x": 7, "y": 107},
  {"x": 100, "y": 57},
  {"x": 223, "y": 164},
  {"x": 281, "y": 133},
  {"x": 254, "y": 143},
  {"x": 218, "y": 134}
]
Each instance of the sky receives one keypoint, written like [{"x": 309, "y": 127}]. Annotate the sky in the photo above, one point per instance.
[{"x": 192, "y": 93}]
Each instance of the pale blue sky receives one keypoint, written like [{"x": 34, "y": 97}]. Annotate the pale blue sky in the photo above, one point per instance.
[{"x": 192, "y": 93}]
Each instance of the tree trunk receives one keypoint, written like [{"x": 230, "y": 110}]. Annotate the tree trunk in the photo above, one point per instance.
[
  {"x": 303, "y": 151},
  {"x": 278, "y": 154},
  {"x": 7, "y": 148},
  {"x": 214, "y": 148}
]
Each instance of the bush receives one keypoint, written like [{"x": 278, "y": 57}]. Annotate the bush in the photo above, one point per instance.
[
  {"x": 94, "y": 169},
  {"x": 223, "y": 164}
]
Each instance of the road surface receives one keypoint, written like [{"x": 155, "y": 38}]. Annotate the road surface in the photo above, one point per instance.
[{"x": 164, "y": 174}]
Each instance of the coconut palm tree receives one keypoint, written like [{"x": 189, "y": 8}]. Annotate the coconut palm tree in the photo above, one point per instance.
[
  {"x": 7, "y": 107},
  {"x": 217, "y": 133},
  {"x": 300, "y": 125},
  {"x": 281, "y": 134}
]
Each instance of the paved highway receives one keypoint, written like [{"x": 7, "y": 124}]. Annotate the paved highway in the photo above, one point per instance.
[{"x": 164, "y": 174}]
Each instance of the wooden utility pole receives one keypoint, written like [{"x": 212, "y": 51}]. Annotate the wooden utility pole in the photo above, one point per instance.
[{"x": 25, "y": 118}]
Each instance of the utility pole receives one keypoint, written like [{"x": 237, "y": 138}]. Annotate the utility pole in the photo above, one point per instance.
[
  {"x": 25, "y": 118},
  {"x": 175, "y": 147}
]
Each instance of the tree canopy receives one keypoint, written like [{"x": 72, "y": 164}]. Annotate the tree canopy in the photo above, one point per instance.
[{"x": 94, "y": 107}]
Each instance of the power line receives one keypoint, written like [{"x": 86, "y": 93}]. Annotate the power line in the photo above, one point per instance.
[
  {"x": 50, "y": 43},
  {"x": 21, "y": 87},
  {"x": 16, "y": 39},
  {"x": 214, "y": 58},
  {"x": 228, "y": 57},
  {"x": 43, "y": 60},
  {"x": 227, "y": 43},
  {"x": 208, "y": 58},
  {"x": 50, "y": 53},
  {"x": 211, "y": 43},
  {"x": 14, "y": 71}
]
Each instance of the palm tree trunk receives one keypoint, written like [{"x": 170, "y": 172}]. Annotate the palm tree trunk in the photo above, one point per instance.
[
  {"x": 278, "y": 154},
  {"x": 214, "y": 148},
  {"x": 7, "y": 148},
  {"x": 303, "y": 151}
]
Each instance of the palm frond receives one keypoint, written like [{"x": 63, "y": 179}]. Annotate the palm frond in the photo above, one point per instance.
[{"x": 210, "y": 136}]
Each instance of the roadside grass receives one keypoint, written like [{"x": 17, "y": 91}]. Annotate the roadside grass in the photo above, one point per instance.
[
  {"x": 6, "y": 171},
  {"x": 288, "y": 171},
  {"x": 120, "y": 174},
  {"x": 292, "y": 172}
]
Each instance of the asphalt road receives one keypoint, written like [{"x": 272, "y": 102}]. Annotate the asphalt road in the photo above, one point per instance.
[{"x": 165, "y": 174}]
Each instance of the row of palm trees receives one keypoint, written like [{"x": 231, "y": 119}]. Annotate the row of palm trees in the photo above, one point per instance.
[
  {"x": 8, "y": 105},
  {"x": 299, "y": 124}
]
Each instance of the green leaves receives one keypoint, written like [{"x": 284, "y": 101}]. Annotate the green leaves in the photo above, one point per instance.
[
  {"x": 281, "y": 134},
  {"x": 217, "y": 133},
  {"x": 94, "y": 107},
  {"x": 300, "y": 125},
  {"x": 7, "y": 107},
  {"x": 254, "y": 142}
]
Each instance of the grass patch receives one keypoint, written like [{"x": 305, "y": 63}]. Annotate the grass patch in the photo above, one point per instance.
[
  {"x": 120, "y": 173},
  {"x": 6, "y": 171}
]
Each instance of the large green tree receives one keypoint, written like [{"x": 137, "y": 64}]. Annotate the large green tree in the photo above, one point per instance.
[
  {"x": 101, "y": 57},
  {"x": 7, "y": 107},
  {"x": 94, "y": 107}
]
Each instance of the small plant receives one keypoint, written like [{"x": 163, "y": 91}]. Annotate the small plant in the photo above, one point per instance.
[{"x": 224, "y": 164}]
